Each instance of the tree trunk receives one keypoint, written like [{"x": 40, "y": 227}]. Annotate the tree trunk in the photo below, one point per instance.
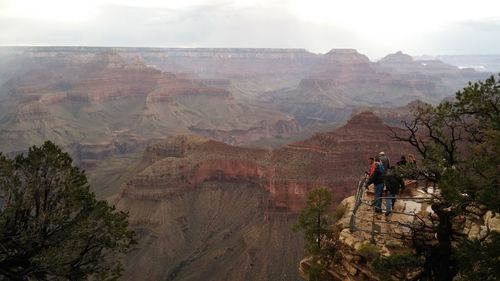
[{"x": 444, "y": 232}]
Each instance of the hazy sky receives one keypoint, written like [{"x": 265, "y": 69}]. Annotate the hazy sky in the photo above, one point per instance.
[{"x": 374, "y": 27}]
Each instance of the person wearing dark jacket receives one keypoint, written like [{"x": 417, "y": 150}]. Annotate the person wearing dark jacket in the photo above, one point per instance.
[
  {"x": 377, "y": 179},
  {"x": 385, "y": 160},
  {"x": 393, "y": 184}
]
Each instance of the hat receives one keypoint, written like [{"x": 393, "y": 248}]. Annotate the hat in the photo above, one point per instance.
[{"x": 381, "y": 153}]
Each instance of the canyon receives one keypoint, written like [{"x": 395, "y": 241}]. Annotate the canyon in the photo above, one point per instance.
[
  {"x": 101, "y": 97},
  {"x": 212, "y": 151},
  {"x": 254, "y": 97},
  {"x": 205, "y": 209}
]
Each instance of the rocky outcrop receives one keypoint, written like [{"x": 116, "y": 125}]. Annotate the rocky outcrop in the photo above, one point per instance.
[
  {"x": 34, "y": 111},
  {"x": 369, "y": 235},
  {"x": 397, "y": 58},
  {"x": 333, "y": 160},
  {"x": 87, "y": 154},
  {"x": 344, "y": 79},
  {"x": 263, "y": 130},
  {"x": 393, "y": 116},
  {"x": 230, "y": 63},
  {"x": 168, "y": 207}
]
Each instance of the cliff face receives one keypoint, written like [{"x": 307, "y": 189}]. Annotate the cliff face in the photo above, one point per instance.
[
  {"x": 201, "y": 209},
  {"x": 232, "y": 63},
  {"x": 71, "y": 96},
  {"x": 204, "y": 209},
  {"x": 232, "y": 95},
  {"x": 215, "y": 231},
  {"x": 334, "y": 160},
  {"x": 176, "y": 202},
  {"x": 343, "y": 79},
  {"x": 353, "y": 260},
  {"x": 353, "y": 257}
]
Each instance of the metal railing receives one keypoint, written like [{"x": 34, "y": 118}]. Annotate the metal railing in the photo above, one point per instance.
[
  {"x": 360, "y": 192},
  {"x": 359, "y": 196}
]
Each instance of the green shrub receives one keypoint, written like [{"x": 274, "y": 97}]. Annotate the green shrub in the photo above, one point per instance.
[
  {"x": 316, "y": 271},
  {"x": 339, "y": 212},
  {"x": 369, "y": 251},
  {"x": 397, "y": 265}
]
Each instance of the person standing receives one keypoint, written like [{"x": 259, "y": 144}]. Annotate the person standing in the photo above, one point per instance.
[
  {"x": 378, "y": 180},
  {"x": 385, "y": 160},
  {"x": 371, "y": 163},
  {"x": 378, "y": 163},
  {"x": 393, "y": 184}
]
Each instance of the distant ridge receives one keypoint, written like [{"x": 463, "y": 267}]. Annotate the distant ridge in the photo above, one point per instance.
[{"x": 150, "y": 49}]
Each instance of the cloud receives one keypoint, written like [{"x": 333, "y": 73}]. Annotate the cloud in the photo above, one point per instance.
[
  {"x": 465, "y": 37},
  {"x": 248, "y": 23}
]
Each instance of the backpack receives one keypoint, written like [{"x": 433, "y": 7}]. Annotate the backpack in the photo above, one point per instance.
[{"x": 381, "y": 167}]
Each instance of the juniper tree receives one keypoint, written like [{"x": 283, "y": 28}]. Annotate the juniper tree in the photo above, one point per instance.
[
  {"x": 459, "y": 144},
  {"x": 51, "y": 225}
]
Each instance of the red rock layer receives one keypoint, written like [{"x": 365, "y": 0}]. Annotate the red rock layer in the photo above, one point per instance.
[{"x": 333, "y": 160}]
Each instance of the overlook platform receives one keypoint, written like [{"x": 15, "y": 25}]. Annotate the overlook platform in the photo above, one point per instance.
[{"x": 364, "y": 234}]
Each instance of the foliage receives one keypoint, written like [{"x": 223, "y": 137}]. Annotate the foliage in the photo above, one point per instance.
[
  {"x": 369, "y": 251},
  {"x": 316, "y": 271},
  {"x": 459, "y": 144},
  {"x": 339, "y": 212},
  {"x": 484, "y": 263},
  {"x": 314, "y": 219},
  {"x": 399, "y": 266},
  {"x": 51, "y": 225}
]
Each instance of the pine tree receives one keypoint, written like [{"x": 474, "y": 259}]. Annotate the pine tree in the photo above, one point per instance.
[
  {"x": 51, "y": 225},
  {"x": 314, "y": 219}
]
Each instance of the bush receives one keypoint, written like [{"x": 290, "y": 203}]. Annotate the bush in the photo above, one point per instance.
[
  {"x": 369, "y": 251},
  {"x": 397, "y": 265},
  {"x": 339, "y": 212},
  {"x": 316, "y": 271}
]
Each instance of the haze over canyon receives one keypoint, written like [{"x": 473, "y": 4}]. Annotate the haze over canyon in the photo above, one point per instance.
[{"x": 212, "y": 151}]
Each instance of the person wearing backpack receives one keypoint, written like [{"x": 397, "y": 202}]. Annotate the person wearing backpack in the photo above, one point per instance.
[
  {"x": 378, "y": 180},
  {"x": 385, "y": 160},
  {"x": 393, "y": 184}
]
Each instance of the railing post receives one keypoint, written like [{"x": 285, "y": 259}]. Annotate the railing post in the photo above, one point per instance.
[
  {"x": 375, "y": 227},
  {"x": 372, "y": 239},
  {"x": 357, "y": 202}
]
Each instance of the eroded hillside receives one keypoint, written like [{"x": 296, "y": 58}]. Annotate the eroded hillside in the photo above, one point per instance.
[{"x": 200, "y": 204}]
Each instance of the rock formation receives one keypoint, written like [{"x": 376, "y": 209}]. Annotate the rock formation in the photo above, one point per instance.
[
  {"x": 232, "y": 95},
  {"x": 185, "y": 168},
  {"x": 370, "y": 234},
  {"x": 344, "y": 79},
  {"x": 205, "y": 209},
  {"x": 84, "y": 97}
]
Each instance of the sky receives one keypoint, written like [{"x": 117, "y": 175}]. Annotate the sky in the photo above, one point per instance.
[{"x": 373, "y": 27}]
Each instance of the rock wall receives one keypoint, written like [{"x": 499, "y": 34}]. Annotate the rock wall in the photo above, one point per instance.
[
  {"x": 352, "y": 256},
  {"x": 179, "y": 202},
  {"x": 333, "y": 160},
  {"x": 84, "y": 95}
]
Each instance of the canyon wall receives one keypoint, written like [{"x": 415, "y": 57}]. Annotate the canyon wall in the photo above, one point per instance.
[{"x": 197, "y": 197}]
